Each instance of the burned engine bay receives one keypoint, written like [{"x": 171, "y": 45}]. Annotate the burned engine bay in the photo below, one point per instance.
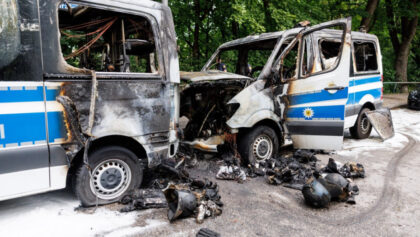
[{"x": 205, "y": 106}]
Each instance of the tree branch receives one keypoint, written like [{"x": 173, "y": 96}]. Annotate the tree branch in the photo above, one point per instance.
[
  {"x": 391, "y": 26},
  {"x": 370, "y": 9}
]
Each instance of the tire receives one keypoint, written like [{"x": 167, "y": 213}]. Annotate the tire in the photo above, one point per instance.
[
  {"x": 258, "y": 144},
  {"x": 363, "y": 127},
  {"x": 118, "y": 170}
]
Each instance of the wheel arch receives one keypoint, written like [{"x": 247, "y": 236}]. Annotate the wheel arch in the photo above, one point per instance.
[
  {"x": 113, "y": 140},
  {"x": 276, "y": 126},
  {"x": 368, "y": 105}
]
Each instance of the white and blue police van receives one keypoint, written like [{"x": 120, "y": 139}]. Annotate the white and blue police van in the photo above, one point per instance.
[{"x": 313, "y": 83}]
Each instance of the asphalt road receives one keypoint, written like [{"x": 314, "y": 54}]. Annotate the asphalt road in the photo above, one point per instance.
[{"x": 388, "y": 203}]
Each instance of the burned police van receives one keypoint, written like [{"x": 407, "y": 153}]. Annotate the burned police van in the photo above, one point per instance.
[
  {"x": 305, "y": 85},
  {"x": 89, "y": 94}
]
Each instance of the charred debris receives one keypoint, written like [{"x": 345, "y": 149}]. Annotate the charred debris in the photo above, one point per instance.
[
  {"x": 170, "y": 186},
  {"x": 319, "y": 185}
]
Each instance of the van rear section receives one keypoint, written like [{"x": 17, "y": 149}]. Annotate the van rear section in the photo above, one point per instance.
[
  {"x": 88, "y": 92},
  {"x": 365, "y": 85}
]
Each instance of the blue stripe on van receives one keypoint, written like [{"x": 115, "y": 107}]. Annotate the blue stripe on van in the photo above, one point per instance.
[
  {"x": 56, "y": 126},
  {"x": 376, "y": 93},
  {"x": 23, "y": 128},
  {"x": 319, "y": 112},
  {"x": 359, "y": 82},
  {"x": 30, "y": 127},
  {"x": 23, "y": 95},
  {"x": 317, "y": 97}
]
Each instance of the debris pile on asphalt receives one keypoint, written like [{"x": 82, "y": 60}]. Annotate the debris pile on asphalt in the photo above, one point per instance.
[
  {"x": 231, "y": 170},
  {"x": 171, "y": 187},
  {"x": 292, "y": 172},
  {"x": 198, "y": 198},
  {"x": 334, "y": 184},
  {"x": 319, "y": 185},
  {"x": 348, "y": 170},
  {"x": 141, "y": 199}
]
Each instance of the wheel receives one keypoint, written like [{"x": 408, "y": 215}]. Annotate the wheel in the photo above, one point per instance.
[
  {"x": 115, "y": 172},
  {"x": 258, "y": 144},
  {"x": 363, "y": 127}
]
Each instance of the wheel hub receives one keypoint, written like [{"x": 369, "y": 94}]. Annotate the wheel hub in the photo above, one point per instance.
[
  {"x": 263, "y": 147},
  {"x": 364, "y": 124},
  {"x": 110, "y": 179}
]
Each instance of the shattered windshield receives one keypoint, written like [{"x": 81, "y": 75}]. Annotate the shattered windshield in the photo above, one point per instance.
[{"x": 245, "y": 59}]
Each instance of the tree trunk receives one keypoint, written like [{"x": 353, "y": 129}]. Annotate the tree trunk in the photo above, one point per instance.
[
  {"x": 366, "y": 23},
  {"x": 196, "y": 43},
  {"x": 235, "y": 29},
  {"x": 268, "y": 18},
  {"x": 402, "y": 49},
  {"x": 401, "y": 63}
]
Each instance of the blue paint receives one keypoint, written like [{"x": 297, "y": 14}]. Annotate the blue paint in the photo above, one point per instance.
[
  {"x": 354, "y": 98},
  {"x": 30, "y": 127},
  {"x": 376, "y": 93},
  {"x": 320, "y": 112},
  {"x": 318, "y": 97},
  {"x": 359, "y": 82},
  {"x": 56, "y": 126},
  {"x": 23, "y": 128},
  {"x": 12, "y": 96}
]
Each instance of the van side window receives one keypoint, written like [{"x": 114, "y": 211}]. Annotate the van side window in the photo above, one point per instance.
[
  {"x": 289, "y": 63},
  {"x": 107, "y": 41},
  {"x": 365, "y": 56},
  {"x": 326, "y": 57}
]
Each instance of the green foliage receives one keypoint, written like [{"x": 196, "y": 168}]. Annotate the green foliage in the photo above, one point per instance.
[{"x": 220, "y": 21}]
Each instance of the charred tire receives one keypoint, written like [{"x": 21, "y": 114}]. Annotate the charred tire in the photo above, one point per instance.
[
  {"x": 258, "y": 144},
  {"x": 363, "y": 127},
  {"x": 115, "y": 172}
]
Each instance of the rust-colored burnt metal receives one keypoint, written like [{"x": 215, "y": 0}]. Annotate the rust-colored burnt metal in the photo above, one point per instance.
[
  {"x": 231, "y": 140},
  {"x": 71, "y": 120}
]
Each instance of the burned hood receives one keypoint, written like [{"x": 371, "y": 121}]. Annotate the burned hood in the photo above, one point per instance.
[{"x": 210, "y": 76}]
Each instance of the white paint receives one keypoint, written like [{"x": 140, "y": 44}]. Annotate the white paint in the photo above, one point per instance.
[
  {"x": 367, "y": 98},
  {"x": 20, "y": 83},
  {"x": 58, "y": 176},
  {"x": 12, "y": 145},
  {"x": 42, "y": 142},
  {"x": 255, "y": 105},
  {"x": 26, "y": 143},
  {"x": 350, "y": 121},
  {"x": 30, "y": 107},
  {"x": 22, "y": 183},
  {"x": 365, "y": 87},
  {"x": 31, "y": 88},
  {"x": 2, "y": 134},
  {"x": 16, "y": 88},
  {"x": 174, "y": 70},
  {"x": 318, "y": 142},
  {"x": 29, "y": 27},
  {"x": 59, "y": 140},
  {"x": 321, "y": 103}
]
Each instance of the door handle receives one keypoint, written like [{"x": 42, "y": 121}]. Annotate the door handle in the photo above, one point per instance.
[{"x": 334, "y": 88}]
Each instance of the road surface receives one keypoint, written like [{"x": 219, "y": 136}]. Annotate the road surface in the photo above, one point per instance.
[{"x": 388, "y": 203}]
